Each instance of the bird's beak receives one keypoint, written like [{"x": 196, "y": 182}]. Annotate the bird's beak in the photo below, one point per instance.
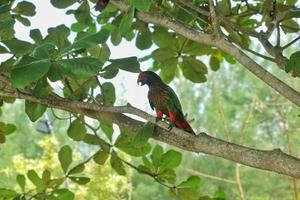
[{"x": 140, "y": 82}]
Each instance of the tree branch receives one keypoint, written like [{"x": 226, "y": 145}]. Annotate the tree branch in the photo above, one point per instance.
[
  {"x": 284, "y": 89},
  {"x": 271, "y": 160}
]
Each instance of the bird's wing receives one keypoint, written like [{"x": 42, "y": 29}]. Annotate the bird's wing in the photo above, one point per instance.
[{"x": 174, "y": 99}]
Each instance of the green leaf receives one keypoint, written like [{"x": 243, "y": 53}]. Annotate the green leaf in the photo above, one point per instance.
[
  {"x": 117, "y": 164},
  {"x": 18, "y": 47},
  {"x": 2, "y": 138},
  {"x": 162, "y": 38},
  {"x": 196, "y": 49},
  {"x": 116, "y": 36},
  {"x": 25, "y": 8},
  {"x": 168, "y": 175},
  {"x": 219, "y": 195},
  {"x": 82, "y": 14},
  {"x": 290, "y": 26},
  {"x": 44, "y": 51},
  {"x": 80, "y": 180},
  {"x": 58, "y": 36},
  {"x": 189, "y": 189},
  {"x": 162, "y": 54},
  {"x": 94, "y": 140},
  {"x": 194, "y": 70},
  {"x": 36, "y": 35},
  {"x": 7, "y": 193},
  {"x": 143, "y": 40},
  {"x": 126, "y": 21},
  {"x": 156, "y": 155},
  {"x": 77, "y": 169},
  {"x": 9, "y": 129},
  {"x": 142, "y": 5},
  {"x": 100, "y": 157},
  {"x": 6, "y": 25},
  {"x": 34, "y": 71},
  {"x": 65, "y": 157},
  {"x": 109, "y": 94},
  {"x": 64, "y": 194},
  {"x": 107, "y": 128},
  {"x": 3, "y": 50},
  {"x": 21, "y": 181},
  {"x": 84, "y": 67},
  {"x": 34, "y": 110},
  {"x": 170, "y": 160},
  {"x": 129, "y": 64},
  {"x": 23, "y": 20},
  {"x": 214, "y": 63},
  {"x": 62, "y": 3},
  {"x": 102, "y": 53},
  {"x": 141, "y": 139},
  {"x": 46, "y": 176},
  {"x": 4, "y": 8},
  {"x": 77, "y": 130},
  {"x": 293, "y": 64},
  {"x": 36, "y": 180}
]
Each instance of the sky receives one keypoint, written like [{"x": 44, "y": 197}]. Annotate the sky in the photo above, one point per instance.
[{"x": 47, "y": 16}]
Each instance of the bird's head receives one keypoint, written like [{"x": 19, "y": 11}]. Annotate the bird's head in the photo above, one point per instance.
[{"x": 148, "y": 77}]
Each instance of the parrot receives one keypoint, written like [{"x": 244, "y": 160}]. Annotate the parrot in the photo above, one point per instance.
[
  {"x": 101, "y": 4},
  {"x": 164, "y": 100}
]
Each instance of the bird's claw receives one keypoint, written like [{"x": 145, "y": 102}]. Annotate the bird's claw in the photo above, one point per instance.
[
  {"x": 158, "y": 119},
  {"x": 171, "y": 125}
]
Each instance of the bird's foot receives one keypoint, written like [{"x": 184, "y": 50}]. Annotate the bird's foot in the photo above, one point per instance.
[
  {"x": 158, "y": 119},
  {"x": 171, "y": 125}
]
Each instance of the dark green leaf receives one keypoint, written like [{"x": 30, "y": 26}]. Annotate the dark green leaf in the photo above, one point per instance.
[
  {"x": 107, "y": 128},
  {"x": 163, "y": 54},
  {"x": 18, "y": 47},
  {"x": 293, "y": 64},
  {"x": 34, "y": 110},
  {"x": 170, "y": 160},
  {"x": 44, "y": 51},
  {"x": 9, "y": 129},
  {"x": 219, "y": 195},
  {"x": 25, "y": 8},
  {"x": 7, "y": 193},
  {"x": 77, "y": 169},
  {"x": 59, "y": 36},
  {"x": 4, "y": 8},
  {"x": 64, "y": 194},
  {"x": 80, "y": 180},
  {"x": 129, "y": 64},
  {"x": 3, "y": 50},
  {"x": 77, "y": 130},
  {"x": 84, "y": 67},
  {"x": 62, "y": 3},
  {"x": 36, "y": 180},
  {"x": 65, "y": 157},
  {"x": 156, "y": 155},
  {"x": 2, "y": 138},
  {"x": 193, "y": 69},
  {"x": 94, "y": 140},
  {"x": 23, "y": 20},
  {"x": 36, "y": 35},
  {"x": 126, "y": 21},
  {"x": 290, "y": 26},
  {"x": 141, "y": 139},
  {"x": 116, "y": 36},
  {"x": 189, "y": 189},
  {"x": 82, "y": 14},
  {"x": 168, "y": 175},
  {"x": 214, "y": 63},
  {"x": 117, "y": 164},
  {"x": 109, "y": 95},
  {"x": 143, "y": 40},
  {"x": 142, "y": 5},
  {"x": 163, "y": 38},
  {"x": 34, "y": 71},
  {"x": 21, "y": 181},
  {"x": 100, "y": 157}
]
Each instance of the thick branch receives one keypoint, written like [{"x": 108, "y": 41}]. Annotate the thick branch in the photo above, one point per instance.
[
  {"x": 284, "y": 89},
  {"x": 274, "y": 160}
]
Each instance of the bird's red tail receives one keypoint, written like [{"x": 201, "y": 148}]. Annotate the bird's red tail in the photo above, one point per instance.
[{"x": 183, "y": 124}]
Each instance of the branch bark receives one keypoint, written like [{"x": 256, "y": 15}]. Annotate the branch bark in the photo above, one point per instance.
[
  {"x": 278, "y": 85},
  {"x": 271, "y": 160}
]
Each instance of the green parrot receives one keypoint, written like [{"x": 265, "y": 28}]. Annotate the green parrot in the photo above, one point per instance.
[{"x": 163, "y": 99}]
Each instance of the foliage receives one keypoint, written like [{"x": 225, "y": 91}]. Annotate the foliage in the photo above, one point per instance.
[{"x": 83, "y": 68}]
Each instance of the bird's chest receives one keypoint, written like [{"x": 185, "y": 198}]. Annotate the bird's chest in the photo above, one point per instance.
[{"x": 158, "y": 97}]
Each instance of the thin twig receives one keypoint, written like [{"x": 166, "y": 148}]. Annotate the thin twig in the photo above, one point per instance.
[
  {"x": 197, "y": 173},
  {"x": 262, "y": 56},
  {"x": 290, "y": 43}
]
